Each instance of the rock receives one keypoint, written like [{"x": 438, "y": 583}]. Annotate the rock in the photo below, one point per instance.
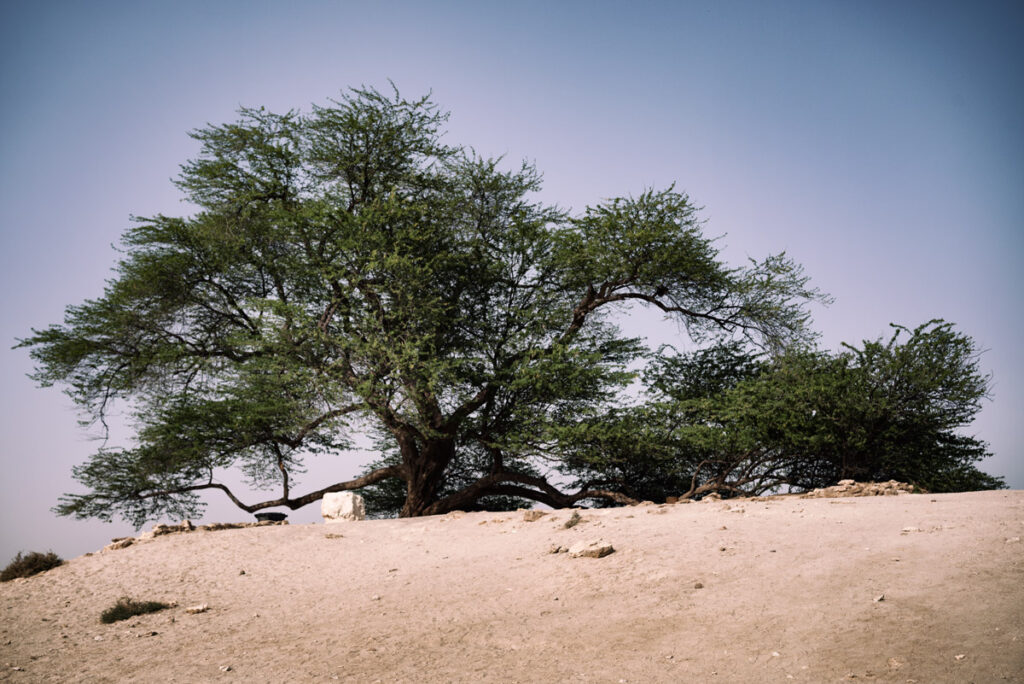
[
  {"x": 853, "y": 488},
  {"x": 342, "y": 507},
  {"x": 119, "y": 543},
  {"x": 201, "y": 608},
  {"x": 573, "y": 520},
  {"x": 672, "y": 499},
  {"x": 531, "y": 516},
  {"x": 591, "y": 549},
  {"x": 557, "y": 548}
]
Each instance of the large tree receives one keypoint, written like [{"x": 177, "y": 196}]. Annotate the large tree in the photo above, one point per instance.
[{"x": 345, "y": 269}]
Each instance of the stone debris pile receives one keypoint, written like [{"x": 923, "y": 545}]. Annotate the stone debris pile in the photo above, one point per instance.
[
  {"x": 161, "y": 529},
  {"x": 852, "y": 488}
]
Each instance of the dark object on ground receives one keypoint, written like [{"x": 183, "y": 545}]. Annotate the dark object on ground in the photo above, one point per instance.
[
  {"x": 273, "y": 517},
  {"x": 126, "y": 608},
  {"x": 30, "y": 564},
  {"x": 573, "y": 520}
]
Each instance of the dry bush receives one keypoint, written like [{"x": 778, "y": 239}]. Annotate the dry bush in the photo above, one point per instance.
[
  {"x": 126, "y": 608},
  {"x": 30, "y": 564}
]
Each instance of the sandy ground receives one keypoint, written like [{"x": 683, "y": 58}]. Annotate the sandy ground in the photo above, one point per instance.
[{"x": 743, "y": 591}]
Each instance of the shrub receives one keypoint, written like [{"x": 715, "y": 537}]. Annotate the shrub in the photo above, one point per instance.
[
  {"x": 126, "y": 608},
  {"x": 30, "y": 564}
]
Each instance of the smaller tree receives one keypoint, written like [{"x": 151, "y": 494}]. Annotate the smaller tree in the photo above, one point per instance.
[{"x": 728, "y": 420}]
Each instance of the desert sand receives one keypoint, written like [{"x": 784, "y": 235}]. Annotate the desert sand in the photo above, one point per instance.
[{"x": 911, "y": 588}]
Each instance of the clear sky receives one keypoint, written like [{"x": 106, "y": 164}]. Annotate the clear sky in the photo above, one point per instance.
[{"x": 880, "y": 144}]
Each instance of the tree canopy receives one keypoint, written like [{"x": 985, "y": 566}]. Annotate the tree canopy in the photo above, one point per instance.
[
  {"x": 346, "y": 270},
  {"x": 727, "y": 419}
]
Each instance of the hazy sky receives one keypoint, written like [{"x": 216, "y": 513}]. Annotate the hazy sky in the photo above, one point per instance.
[{"x": 880, "y": 144}]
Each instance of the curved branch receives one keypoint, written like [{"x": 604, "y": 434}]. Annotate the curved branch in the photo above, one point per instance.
[
  {"x": 537, "y": 489},
  {"x": 370, "y": 478}
]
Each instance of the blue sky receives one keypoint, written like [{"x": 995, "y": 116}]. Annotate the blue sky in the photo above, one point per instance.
[{"x": 879, "y": 144}]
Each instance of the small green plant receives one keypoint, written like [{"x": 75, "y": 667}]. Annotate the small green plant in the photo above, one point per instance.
[
  {"x": 30, "y": 564},
  {"x": 126, "y": 608}
]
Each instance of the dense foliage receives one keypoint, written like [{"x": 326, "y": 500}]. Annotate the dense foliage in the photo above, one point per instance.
[
  {"x": 728, "y": 420},
  {"x": 345, "y": 270}
]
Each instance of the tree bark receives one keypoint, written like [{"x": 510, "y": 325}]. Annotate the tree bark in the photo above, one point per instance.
[{"x": 424, "y": 466}]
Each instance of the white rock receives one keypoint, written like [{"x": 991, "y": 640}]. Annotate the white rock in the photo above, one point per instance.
[
  {"x": 201, "y": 608},
  {"x": 591, "y": 549},
  {"x": 342, "y": 507}
]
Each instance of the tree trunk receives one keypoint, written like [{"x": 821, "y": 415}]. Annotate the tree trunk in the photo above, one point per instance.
[{"x": 425, "y": 466}]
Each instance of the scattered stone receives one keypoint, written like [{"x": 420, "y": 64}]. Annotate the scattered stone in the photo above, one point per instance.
[
  {"x": 225, "y": 668},
  {"x": 713, "y": 496},
  {"x": 213, "y": 527},
  {"x": 672, "y": 500},
  {"x": 591, "y": 549},
  {"x": 895, "y": 663},
  {"x": 556, "y": 548},
  {"x": 698, "y": 585},
  {"x": 573, "y": 520},
  {"x": 908, "y": 530},
  {"x": 339, "y": 507},
  {"x": 1013, "y": 540},
  {"x": 532, "y": 516},
  {"x": 184, "y": 526},
  {"x": 201, "y": 608},
  {"x": 879, "y": 598},
  {"x": 853, "y": 488},
  {"x": 241, "y": 572},
  {"x": 375, "y": 597},
  {"x": 120, "y": 543},
  {"x": 959, "y": 657}
]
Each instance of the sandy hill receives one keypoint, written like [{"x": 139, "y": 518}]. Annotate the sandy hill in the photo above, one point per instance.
[{"x": 911, "y": 588}]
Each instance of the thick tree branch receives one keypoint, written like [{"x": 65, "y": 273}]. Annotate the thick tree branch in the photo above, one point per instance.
[{"x": 366, "y": 480}]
